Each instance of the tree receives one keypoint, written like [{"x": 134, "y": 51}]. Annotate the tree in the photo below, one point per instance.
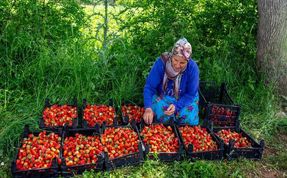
[{"x": 272, "y": 43}]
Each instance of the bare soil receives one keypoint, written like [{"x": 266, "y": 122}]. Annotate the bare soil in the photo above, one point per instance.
[{"x": 265, "y": 168}]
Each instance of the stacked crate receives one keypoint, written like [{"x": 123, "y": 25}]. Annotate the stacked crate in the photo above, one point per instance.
[{"x": 222, "y": 116}]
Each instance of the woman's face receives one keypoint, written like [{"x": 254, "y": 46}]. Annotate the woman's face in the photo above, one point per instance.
[{"x": 178, "y": 63}]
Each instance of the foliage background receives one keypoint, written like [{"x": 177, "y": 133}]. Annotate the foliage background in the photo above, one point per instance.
[{"x": 65, "y": 49}]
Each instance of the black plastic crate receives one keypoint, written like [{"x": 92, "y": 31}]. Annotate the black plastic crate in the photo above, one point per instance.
[
  {"x": 69, "y": 171},
  {"x": 129, "y": 159},
  {"x": 204, "y": 155},
  {"x": 222, "y": 115},
  {"x": 125, "y": 119},
  {"x": 164, "y": 156},
  {"x": 48, "y": 104},
  {"x": 85, "y": 123},
  {"x": 213, "y": 96},
  {"x": 210, "y": 92},
  {"x": 53, "y": 171},
  {"x": 231, "y": 152}
]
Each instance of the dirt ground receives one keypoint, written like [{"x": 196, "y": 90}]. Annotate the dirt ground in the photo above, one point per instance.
[{"x": 266, "y": 168}]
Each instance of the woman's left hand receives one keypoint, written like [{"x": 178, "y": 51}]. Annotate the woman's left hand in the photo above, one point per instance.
[{"x": 170, "y": 110}]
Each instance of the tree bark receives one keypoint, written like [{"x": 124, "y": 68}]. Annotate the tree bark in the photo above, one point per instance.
[{"x": 272, "y": 43}]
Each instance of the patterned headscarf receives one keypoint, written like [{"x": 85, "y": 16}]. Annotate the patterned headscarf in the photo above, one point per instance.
[{"x": 181, "y": 48}]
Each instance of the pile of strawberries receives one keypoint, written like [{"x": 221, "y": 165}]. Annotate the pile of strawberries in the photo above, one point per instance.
[
  {"x": 240, "y": 141},
  {"x": 222, "y": 111},
  {"x": 81, "y": 149},
  {"x": 219, "y": 112},
  {"x": 39, "y": 151},
  {"x": 120, "y": 141},
  {"x": 57, "y": 115},
  {"x": 94, "y": 114},
  {"x": 198, "y": 137},
  {"x": 132, "y": 112},
  {"x": 160, "y": 138}
]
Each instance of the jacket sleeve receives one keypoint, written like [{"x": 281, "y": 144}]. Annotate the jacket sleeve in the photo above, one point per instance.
[
  {"x": 152, "y": 82},
  {"x": 191, "y": 88}
]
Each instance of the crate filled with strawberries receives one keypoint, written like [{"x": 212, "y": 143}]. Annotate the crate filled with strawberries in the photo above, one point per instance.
[
  {"x": 131, "y": 111},
  {"x": 38, "y": 155},
  {"x": 161, "y": 141},
  {"x": 238, "y": 143},
  {"x": 216, "y": 105},
  {"x": 56, "y": 116},
  {"x": 93, "y": 114},
  {"x": 200, "y": 143},
  {"x": 123, "y": 146},
  {"x": 82, "y": 150},
  {"x": 223, "y": 115}
]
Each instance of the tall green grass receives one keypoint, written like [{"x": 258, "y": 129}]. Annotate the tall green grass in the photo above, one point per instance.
[{"x": 52, "y": 53}]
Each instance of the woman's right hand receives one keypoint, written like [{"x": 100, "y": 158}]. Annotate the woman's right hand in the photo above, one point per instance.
[{"x": 148, "y": 116}]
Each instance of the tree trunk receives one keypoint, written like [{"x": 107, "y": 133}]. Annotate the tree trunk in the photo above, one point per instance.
[{"x": 272, "y": 43}]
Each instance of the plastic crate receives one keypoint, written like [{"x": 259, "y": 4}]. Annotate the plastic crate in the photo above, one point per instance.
[
  {"x": 254, "y": 152},
  {"x": 222, "y": 115},
  {"x": 53, "y": 171},
  {"x": 126, "y": 160},
  {"x": 164, "y": 156},
  {"x": 85, "y": 123},
  {"x": 69, "y": 171},
  {"x": 210, "y": 92},
  {"x": 125, "y": 119},
  {"x": 75, "y": 122},
  {"x": 203, "y": 155},
  {"x": 213, "y": 96}
]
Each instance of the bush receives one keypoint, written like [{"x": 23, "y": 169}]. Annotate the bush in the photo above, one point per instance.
[{"x": 28, "y": 26}]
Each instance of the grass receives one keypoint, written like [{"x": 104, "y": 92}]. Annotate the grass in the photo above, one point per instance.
[
  {"x": 80, "y": 68},
  {"x": 185, "y": 168}
]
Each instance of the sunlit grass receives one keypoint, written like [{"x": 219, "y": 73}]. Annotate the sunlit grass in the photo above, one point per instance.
[{"x": 80, "y": 68}]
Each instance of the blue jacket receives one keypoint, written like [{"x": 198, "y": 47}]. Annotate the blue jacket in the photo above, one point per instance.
[{"x": 188, "y": 87}]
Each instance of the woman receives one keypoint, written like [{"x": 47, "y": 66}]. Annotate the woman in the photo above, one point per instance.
[{"x": 171, "y": 89}]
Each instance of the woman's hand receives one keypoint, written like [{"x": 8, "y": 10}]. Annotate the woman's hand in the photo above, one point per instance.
[
  {"x": 148, "y": 116},
  {"x": 170, "y": 110}
]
